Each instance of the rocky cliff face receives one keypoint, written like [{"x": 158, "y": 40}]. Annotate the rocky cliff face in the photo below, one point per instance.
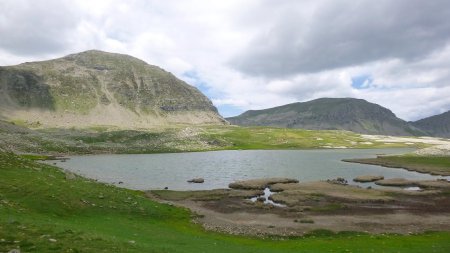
[
  {"x": 100, "y": 88},
  {"x": 351, "y": 114},
  {"x": 437, "y": 125}
]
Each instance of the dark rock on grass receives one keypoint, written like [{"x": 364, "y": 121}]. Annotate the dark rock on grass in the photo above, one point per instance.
[
  {"x": 70, "y": 175},
  {"x": 197, "y": 180},
  {"x": 368, "y": 178}
]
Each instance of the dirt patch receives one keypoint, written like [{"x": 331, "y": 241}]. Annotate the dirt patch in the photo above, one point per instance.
[
  {"x": 261, "y": 184},
  {"x": 368, "y": 178},
  {"x": 316, "y": 205},
  {"x": 396, "y": 182}
]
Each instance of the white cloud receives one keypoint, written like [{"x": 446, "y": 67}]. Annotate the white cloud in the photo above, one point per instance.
[{"x": 409, "y": 62}]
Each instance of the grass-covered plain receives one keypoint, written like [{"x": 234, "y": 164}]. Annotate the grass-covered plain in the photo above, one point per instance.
[
  {"x": 176, "y": 139},
  {"x": 285, "y": 138},
  {"x": 41, "y": 211}
]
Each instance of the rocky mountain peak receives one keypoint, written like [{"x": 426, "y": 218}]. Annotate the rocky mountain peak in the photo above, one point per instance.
[{"x": 100, "y": 88}]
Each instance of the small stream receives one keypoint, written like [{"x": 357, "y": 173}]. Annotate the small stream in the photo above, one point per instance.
[{"x": 267, "y": 201}]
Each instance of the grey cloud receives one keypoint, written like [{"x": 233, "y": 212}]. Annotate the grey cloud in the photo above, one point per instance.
[
  {"x": 346, "y": 33},
  {"x": 36, "y": 27}
]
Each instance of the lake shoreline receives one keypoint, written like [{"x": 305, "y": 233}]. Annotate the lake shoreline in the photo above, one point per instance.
[
  {"x": 389, "y": 162},
  {"x": 314, "y": 205}
]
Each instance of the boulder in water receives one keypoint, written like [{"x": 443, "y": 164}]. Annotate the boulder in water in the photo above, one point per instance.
[{"x": 197, "y": 180}]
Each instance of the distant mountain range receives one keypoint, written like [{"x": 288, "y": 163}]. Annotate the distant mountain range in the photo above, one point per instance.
[
  {"x": 95, "y": 88},
  {"x": 438, "y": 125},
  {"x": 100, "y": 88},
  {"x": 350, "y": 114}
]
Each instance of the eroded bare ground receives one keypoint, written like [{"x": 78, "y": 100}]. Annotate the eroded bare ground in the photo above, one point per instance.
[{"x": 316, "y": 205}]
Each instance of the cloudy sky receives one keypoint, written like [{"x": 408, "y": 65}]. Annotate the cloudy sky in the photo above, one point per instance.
[{"x": 256, "y": 54}]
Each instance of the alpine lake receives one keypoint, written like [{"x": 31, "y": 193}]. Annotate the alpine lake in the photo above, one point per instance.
[{"x": 219, "y": 168}]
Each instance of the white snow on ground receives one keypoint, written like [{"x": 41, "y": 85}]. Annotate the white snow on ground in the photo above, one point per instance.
[{"x": 440, "y": 146}]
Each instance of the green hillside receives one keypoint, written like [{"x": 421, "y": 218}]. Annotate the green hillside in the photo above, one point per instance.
[{"x": 350, "y": 114}]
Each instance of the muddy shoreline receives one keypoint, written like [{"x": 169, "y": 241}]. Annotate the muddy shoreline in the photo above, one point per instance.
[{"x": 309, "y": 206}]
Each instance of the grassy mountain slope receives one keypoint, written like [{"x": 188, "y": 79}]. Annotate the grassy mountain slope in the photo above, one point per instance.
[
  {"x": 351, "y": 114},
  {"x": 100, "y": 88},
  {"x": 437, "y": 125}
]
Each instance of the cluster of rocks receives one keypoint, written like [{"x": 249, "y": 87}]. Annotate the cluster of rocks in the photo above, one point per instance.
[{"x": 339, "y": 180}]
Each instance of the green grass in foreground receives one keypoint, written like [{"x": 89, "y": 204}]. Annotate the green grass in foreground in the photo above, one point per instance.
[{"x": 41, "y": 211}]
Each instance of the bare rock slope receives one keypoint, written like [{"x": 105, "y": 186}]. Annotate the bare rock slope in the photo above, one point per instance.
[{"x": 100, "y": 88}]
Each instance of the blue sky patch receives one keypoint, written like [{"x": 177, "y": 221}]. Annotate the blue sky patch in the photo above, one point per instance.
[
  {"x": 362, "y": 82},
  {"x": 229, "y": 110},
  {"x": 195, "y": 80}
]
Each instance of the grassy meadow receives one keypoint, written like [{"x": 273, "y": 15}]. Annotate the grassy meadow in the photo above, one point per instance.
[{"x": 103, "y": 139}]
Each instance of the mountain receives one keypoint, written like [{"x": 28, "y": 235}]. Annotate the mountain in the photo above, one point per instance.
[
  {"x": 100, "y": 88},
  {"x": 438, "y": 125},
  {"x": 351, "y": 114}
]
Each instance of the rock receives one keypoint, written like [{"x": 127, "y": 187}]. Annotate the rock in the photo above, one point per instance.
[
  {"x": 52, "y": 240},
  {"x": 197, "y": 180},
  {"x": 70, "y": 175},
  {"x": 260, "y": 184},
  {"x": 14, "y": 251},
  {"x": 339, "y": 180},
  {"x": 396, "y": 182},
  {"x": 368, "y": 178}
]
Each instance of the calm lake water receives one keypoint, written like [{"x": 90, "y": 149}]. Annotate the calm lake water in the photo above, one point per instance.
[{"x": 219, "y": 168}]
